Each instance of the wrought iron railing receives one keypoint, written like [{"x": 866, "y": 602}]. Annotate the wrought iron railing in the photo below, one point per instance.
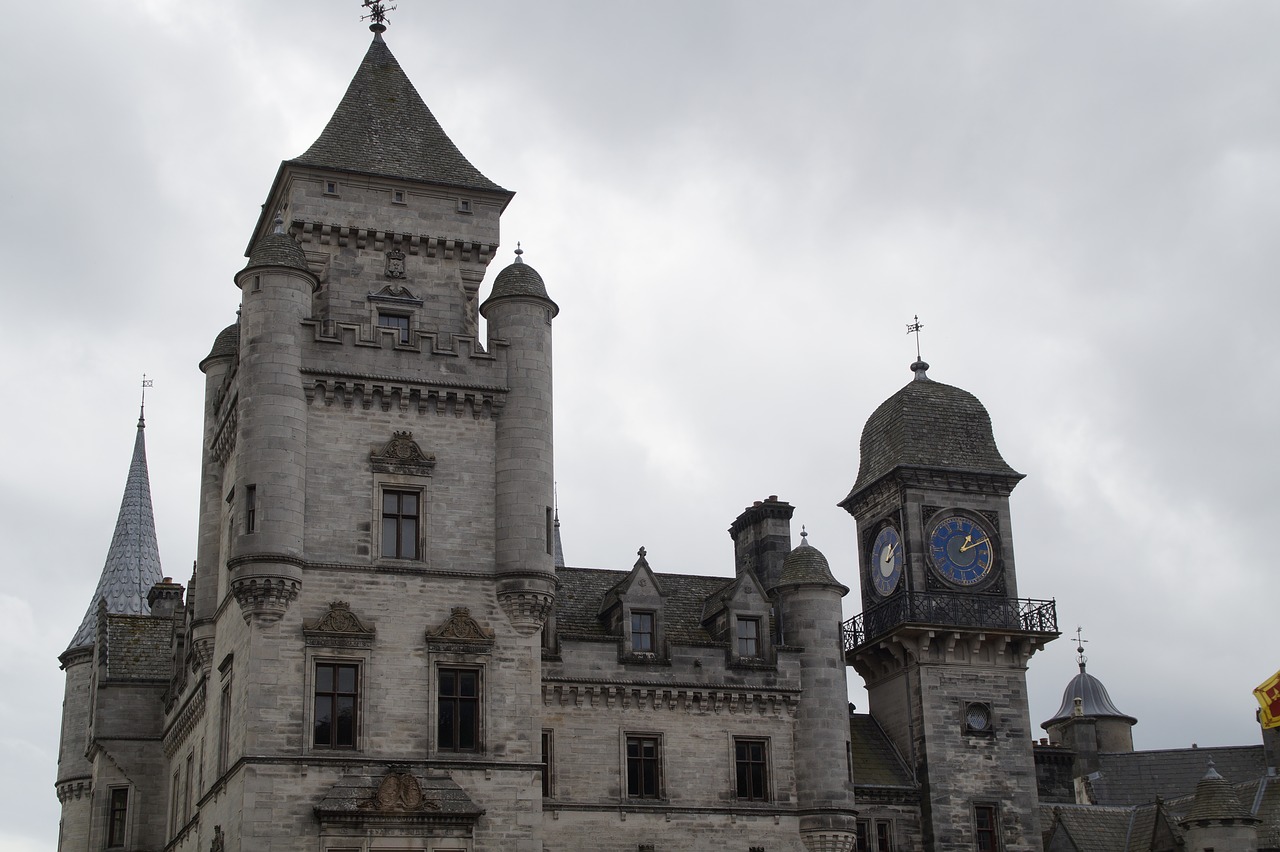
[{"x": 944, "y": 609}]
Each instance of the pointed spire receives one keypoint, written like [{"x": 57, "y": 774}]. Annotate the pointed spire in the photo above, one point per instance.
[
  {"x": 133, "y": 559},
  {"x": 559, "y": 546}
]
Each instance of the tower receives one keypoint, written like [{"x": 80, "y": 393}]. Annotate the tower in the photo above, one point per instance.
[
  {"x": 1088, "y": 721},
  {"x": 943, "y": 639}
]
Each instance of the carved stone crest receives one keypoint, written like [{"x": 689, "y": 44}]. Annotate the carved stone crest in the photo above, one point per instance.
[
  {"x": 395, "y": 264},
  {"x": 461, "y": 627},
  {"x": 338, "y": 627},
  {"x": 402, "y": 455},
  {"x": 399, "y": 792}
]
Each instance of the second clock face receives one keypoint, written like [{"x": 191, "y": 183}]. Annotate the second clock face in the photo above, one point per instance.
[
  {"x": 962, "y": 550},
  {"x": 886, "y": 561}
]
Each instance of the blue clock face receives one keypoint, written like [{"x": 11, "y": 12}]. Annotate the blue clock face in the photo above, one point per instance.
[
  {"x": 886, "y": 561},
  {"x": 962, "y": 551}
]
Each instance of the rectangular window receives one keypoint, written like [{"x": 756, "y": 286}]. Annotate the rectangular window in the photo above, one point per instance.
[
  {"x": 400, "y": 524},
  {"x": 337, "y": 695},
  {"x": 643, "y": 768},
  {"x": 984, "y": 821},
  {"x": 551, "y": 532},
  {"x": 884, "y": 835},
  {"x": 250, "y": 508},
  {"x": 224, "y": 730},
  {"x": 399, "y": 322},
  {"x": 188, "y": 787},
  {"x": 175, "y": 799},
  {"x": 751, "y": 760},
  {"x": 546, "y": 764},
  {"x": 642, "y": 632},
  {"x": 458, "y": 709},
  {"x": 748, "y": 637},
  {"x": 863, "y": 843},
  {"x": 117, "y": 816}
]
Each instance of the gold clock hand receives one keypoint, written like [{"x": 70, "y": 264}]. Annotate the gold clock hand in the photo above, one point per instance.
[{"x": 968, "y": 545}]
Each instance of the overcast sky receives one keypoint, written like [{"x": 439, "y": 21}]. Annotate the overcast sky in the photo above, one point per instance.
[{"x": 738, "y": 207}]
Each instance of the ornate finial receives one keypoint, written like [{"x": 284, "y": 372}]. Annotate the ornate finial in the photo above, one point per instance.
[
  {"x": 277, "y": 224},
  {"x": 1081, "y": 658},
  {"x": 804, "y": 536},
  {"x": 519, "y": 251},
  {"x": 378, "y": 15},
  {"x": 642, "y": 552},
  {"x": 919, "y": 367},
  {"x": 146, "y": 383}
]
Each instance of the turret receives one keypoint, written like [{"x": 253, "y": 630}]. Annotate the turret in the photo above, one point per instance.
[
  {"x": 268, "y": 492},
  {"x": 1218, "y": 819},
  {"x": 519, "y": 312},
  {"x": 809, "y": 603},
  {"x": 1088, "y": 721}
]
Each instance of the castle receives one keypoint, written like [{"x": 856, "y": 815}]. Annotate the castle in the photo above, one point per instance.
[{"x": 381, "y": 647}]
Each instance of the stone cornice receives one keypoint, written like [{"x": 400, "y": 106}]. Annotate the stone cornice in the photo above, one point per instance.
[
  {"x": 355, "y": 236},
  {"x": 386, "y": 392},
  {"x": 699, "y": 698},
  {"x": 182, "y": 724}
]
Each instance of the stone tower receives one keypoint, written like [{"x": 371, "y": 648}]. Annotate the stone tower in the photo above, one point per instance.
[
  {"x": 1088, "y": 722},
  {"x": 943, "y": 639},
  {"x": 376, "y": 526}
]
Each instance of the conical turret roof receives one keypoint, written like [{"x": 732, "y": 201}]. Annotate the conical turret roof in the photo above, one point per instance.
[
  {"x": 133, "y": 560},
  {"x": 1094, "y": 701},
  {"x": 383, "y": 127},
  {"x": 1216, "y": 800}
]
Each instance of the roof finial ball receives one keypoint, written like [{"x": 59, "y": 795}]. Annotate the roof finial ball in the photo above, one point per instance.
[
  {"x": 378, "y": 15},
  {"x": 519, "y": 251}
]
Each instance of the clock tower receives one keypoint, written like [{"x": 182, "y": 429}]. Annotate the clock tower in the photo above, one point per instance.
[{"x": 944, "y": 639}]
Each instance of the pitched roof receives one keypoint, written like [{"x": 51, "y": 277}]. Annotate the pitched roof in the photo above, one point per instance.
[
  {"x": 133, "y": 559},
  {"x": 931, "y": 425},
  {"x": 876, "y": 763},
  {"x": 1134, "y": 778},
  {"x": 139, "y": 647},
  {"x": 383, "y": 127},
  {"x": 1093, "y": 829},
  {"x": 582, "y": 590}
]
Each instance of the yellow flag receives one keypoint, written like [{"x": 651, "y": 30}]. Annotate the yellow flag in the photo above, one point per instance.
[{"x": 1268, "y": 695}]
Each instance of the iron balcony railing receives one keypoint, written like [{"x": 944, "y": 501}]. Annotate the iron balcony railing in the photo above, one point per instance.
[{"x": 944, "y": 609}]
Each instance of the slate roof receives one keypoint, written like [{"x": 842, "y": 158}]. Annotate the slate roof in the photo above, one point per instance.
[
  {"x": 876, "y": 763},
  {"x": 518, "y": 279},
  {"x": 133, "y": 559},
  {"x": 383, "y": 127},
  {"x": 1094, "y": 700},
  {"x": 1216, "y": 799},
  {"x": 1134, "y": 778},
  {"x": 582, "y": 590},
  {"x": 1093, "y": 829},
  {"x": 139, "y": 647},
  {"x": 278, "y": 249},
  {"x": 805, "y": 564},
  {"x": 226, "y": 344},
  {"x": 929, "y": 424}
]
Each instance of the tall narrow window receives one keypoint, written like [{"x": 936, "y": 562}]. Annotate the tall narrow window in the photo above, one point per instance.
[
  {"x": 399, "y": 322},
  {"x": 400, "y": 524},
  {"x": 250, "y": 508},
  {"x": 551, "y": 532},
  {"x": 187, "y": 787},
  {"x": 748, "y": 637},
  {"x": 884, "y": 835},
  {"x": 863, "y": 842},
  {"x": 224, "y": 730},
  {"x": 337, "y": 694},
  {"x": 546, "y": 764},
  {"x": 458, "y": 709},
  {"x": 642, "y": 632},
  {"x": 984, "y": 823},
  {"x": 643, "y": 768},
  {"x": 117, "y": 816},
  {"x": 175, "y": 799},
  {"x": 750, "y": 757}
]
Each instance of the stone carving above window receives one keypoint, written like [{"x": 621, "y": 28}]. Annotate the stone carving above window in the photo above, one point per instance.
[
  {"x": 394, "y": 293},
  {"x": 402, "y": 455},
  {"x": 461, "y": 632},
  {"x": 395, "y": 264},
  {"x": 399, "y": 792},
  {"x": 338, "y": 628}
]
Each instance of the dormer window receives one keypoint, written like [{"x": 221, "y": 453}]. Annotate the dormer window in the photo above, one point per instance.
[
  {"x": 748, "y": 637},
  {"x": 642, "y": 630}
]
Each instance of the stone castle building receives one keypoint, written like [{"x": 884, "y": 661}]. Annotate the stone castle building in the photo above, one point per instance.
[{"x": 382, "y": 648}]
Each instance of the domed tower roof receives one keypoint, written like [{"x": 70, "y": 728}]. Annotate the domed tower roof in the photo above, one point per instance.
[
  {"x": 1094, "y": 701},
  {"x": 278, "y": 249},
  {"x": 805, "y": 565},
  {"x": 932, "y": 425},
  {"x": 519, "y": 279},
  {"x": 225, "y": 345}
]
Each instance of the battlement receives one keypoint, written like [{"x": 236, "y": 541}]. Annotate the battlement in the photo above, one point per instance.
[
  {"x": 375, "y": 239},
  {"x": 371, "y": 336}
]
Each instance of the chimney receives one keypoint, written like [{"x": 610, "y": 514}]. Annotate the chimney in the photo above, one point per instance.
[
  {"x": 165, "y": 598},
  {"x": 762, "y": 539}
]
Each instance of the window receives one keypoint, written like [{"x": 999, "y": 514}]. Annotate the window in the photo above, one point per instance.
[
  {"x": 224, "y": 729},
  {"x": 464, "y": 205},
  {"x": 863, "y": 842},
  {"x": 884, "y": 836},
  {"x": 643, "y": 765},
  {"x": 748, "y": 637},
  {"x": 399, "y": 322},
  {"x": 551, "y": 532},
  {"x": 400, "y": 524},
  {"x": 175, "y": 798},
  {"x": 546, "y": 764},
  {"x": 250, "y": 508},
  {"x": 330, "y": 187},
  {"x": 337, "y": 695},
  {"x": 984, "y": 820},
  {"x": 458, "y": 710},
  {"x": 188, "y": 787},
  {"x": 117, "y": 816},
  {"x": 751, "y": 761},
  {"x": 397, "y": 196},
  {"x": 642, "y": 633}
]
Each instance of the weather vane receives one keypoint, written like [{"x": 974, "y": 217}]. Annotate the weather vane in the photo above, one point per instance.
[
  {"x": 377, "y": 12},
  {"x": 1082, "y": 659},
  {"x": 914, "y": 328},
  {"x": 146, "y": 383}
]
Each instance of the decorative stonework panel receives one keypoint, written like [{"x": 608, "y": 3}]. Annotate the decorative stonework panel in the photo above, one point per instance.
[
  {"x": 402, "y": 455},
  {"x": 460, "y": 632},
  {"x": 339, "y": 627},
  {"x": 399, "y": 792}
]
